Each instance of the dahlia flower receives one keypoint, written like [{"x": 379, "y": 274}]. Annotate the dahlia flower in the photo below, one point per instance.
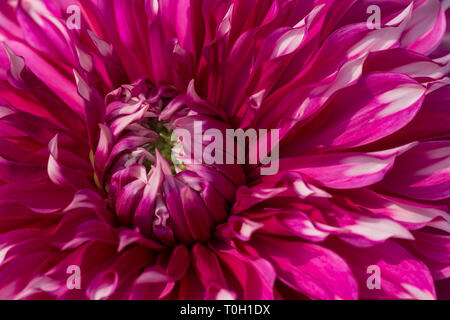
[{"x": 93, "y": 90}]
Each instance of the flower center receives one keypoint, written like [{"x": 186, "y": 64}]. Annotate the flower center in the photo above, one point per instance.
[
  {"x": 164, "y": 144},
  {"x": 140, "y": 164}
]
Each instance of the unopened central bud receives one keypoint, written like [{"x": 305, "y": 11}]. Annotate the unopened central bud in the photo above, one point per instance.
[{"x": 139, "y": 163}]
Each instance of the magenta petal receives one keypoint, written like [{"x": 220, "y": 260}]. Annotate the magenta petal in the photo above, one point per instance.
[
  {"x": 173, "y": 270},
  {"x": 307, "y": 268},
  {"x": 377, "y": 106},
  {"x": 40, "y": 197},
  {"x": 341, "y": 170},
  {"x": 208, "y": 268},
  {"x": 422, "y": 172},
  {"x": 426, "y": 28},
  {"x": 256, "y": 276},
  {"x": 403, "y": 276}
]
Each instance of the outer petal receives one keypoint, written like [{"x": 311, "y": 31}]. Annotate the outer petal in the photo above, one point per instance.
[
  {"x": 403, "y": 276},
  {"x": 379, "y": 105},
  {"x": 343, "y": 170},
  {"x": 422, "y": 172},
  {"x": 310, "y": 269}
]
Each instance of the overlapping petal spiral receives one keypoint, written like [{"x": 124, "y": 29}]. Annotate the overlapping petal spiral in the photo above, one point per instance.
[{"x": 87, "y": 177}]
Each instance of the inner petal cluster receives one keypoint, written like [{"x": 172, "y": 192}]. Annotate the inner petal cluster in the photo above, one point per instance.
[{"x": 162, "y": 198}]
